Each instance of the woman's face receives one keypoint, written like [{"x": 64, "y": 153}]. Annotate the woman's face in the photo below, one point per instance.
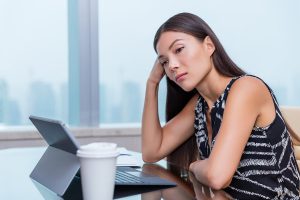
[{"x": 185, "y": 59}]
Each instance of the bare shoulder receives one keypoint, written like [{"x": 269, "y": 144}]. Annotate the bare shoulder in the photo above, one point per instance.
[
  {"x": 251, "y": 94},
  {"x": 251, "y": 87},
  {"x": 249, "y": 82}
]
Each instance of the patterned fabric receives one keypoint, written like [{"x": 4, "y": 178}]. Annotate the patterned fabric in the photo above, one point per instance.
[{"x": 268, "y": 168}]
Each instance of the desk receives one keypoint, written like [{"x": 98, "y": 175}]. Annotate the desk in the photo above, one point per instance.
[{"x": 17, "y": 163}]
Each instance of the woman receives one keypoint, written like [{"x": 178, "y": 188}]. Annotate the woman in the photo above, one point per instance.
[{"x": 230, "y": 118}]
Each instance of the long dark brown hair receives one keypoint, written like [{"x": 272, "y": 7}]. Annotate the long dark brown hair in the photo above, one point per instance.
[{"x": 176, "y": 97}]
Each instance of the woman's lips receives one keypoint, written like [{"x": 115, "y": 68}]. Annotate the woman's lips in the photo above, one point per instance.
[{"x": 180, "y": 77}]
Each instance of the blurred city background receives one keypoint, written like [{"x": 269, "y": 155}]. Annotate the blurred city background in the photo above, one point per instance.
[{"x": 262, "y": 37}]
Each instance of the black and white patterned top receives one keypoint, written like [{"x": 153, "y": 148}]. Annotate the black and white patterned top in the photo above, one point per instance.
[{"x": 268, "y": 168}]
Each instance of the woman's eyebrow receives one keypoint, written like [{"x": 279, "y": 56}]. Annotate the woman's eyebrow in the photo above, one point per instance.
[
  {"x": 171, "y": 45},
  {"x": 174, "y": 43},
  {"x": 159, "y": 57}
]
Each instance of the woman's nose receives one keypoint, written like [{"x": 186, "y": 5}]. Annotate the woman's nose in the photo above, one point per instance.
[{"x": 173, "y": 65}]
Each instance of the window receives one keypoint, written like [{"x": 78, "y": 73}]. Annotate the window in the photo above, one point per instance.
[
  {"x": 261, "y": 37},
  {"x": 34, "y": 60},
  {"x": 39, "y": 65}
]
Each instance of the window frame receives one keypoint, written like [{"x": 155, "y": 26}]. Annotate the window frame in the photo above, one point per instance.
[{"x": 83, "y": 63}]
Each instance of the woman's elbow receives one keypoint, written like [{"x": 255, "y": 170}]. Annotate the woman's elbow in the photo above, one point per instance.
[
  {"x": 219, "y": 185},
  {"x": 148, "y": 158},
  {"x": 218, "y": 181}
]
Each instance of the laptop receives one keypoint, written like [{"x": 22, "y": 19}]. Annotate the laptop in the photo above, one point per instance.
[{"x": 58, "y": 168}]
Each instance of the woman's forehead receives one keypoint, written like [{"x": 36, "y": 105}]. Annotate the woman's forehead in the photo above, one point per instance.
[{"x": 168, "y": 38}]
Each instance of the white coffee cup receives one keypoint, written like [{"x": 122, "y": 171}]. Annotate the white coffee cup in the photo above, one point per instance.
[{"x": 98, "y": 170}]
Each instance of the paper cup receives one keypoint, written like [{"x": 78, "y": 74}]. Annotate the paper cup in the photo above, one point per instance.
[{"x": 98, "y": 169}]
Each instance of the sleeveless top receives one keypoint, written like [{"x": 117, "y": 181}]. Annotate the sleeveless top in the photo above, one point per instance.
[{"x": 268, "y": 168}]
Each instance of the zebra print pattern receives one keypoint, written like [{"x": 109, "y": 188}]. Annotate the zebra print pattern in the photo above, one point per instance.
[{"x": 268, "y": 168}]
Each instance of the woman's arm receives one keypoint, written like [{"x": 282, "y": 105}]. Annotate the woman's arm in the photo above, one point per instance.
[
  {"x": 203, "y": 192},
  {"x": 249, "y": 103},
  {"x": 157, "y": 141}
]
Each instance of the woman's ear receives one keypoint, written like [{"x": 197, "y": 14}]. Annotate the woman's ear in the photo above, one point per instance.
[{"x": 209, "y": 45}]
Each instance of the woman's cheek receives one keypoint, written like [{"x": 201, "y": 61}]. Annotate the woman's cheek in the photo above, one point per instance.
[{"x": 169, "y": 75}]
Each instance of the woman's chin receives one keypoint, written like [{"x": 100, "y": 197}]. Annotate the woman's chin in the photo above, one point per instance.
[{"x": 186, "y": 88}]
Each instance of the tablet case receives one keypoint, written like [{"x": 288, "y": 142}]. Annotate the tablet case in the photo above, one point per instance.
[{"x": 56, "y": 170}]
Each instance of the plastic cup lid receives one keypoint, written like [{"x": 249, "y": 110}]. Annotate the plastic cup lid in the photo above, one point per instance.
[{"x": 98, "y": 149}]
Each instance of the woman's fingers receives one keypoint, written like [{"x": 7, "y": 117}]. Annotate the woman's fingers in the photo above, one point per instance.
[{"x": 157, "y": 72}]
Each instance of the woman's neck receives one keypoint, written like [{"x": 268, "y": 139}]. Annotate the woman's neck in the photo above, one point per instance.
[{"x": 212, "y": 86}]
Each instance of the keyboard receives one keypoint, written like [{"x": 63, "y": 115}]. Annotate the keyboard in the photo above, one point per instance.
[{"x": 123, "y": 177}]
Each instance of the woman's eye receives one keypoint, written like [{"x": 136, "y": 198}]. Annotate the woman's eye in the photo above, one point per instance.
[
  {"x": 179, "y": 50},
  {"x": 164, "y": 63}
]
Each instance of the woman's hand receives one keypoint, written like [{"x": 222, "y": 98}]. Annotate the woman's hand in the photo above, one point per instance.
[{"x": 157, "y": 73}]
